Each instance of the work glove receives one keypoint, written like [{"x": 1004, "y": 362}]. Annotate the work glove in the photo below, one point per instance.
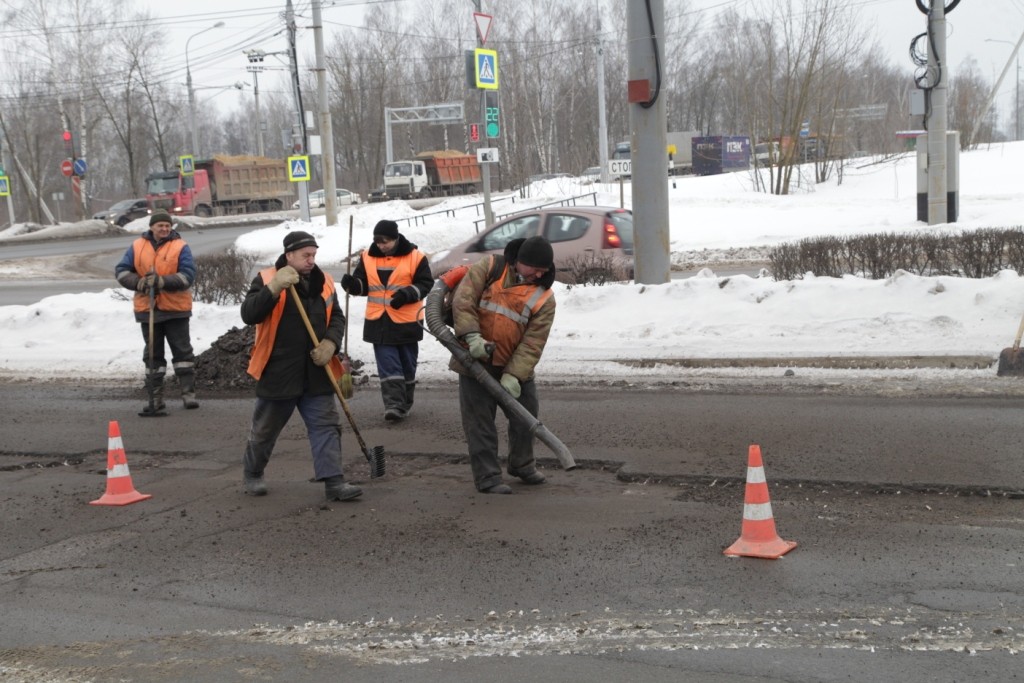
[
  {"x": 399, "y": 298},
  {"x": 323, "y": 352},
  {"x": 477, "y": 346},
  {"x": 151, "y": 281},
  {"x": 511, "y": 385},
  {"x": 282, "y": 280},
  {"x": 348, "y": 283}
]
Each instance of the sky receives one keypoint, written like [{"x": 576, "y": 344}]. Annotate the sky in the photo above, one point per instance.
[
  {"x": 216, "y": 57},
  {"x": 596, "y": 328}
]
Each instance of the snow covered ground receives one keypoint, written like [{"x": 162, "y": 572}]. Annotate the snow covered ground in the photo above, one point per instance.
[{"x": 596, "y": 328}]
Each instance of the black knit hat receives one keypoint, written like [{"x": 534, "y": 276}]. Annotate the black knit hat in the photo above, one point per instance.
[
  {"x": 298, "y": 240},
  {"x": 159, "y": 217},
  {"x": 386, "y": 228},
  {"x": 536, "y": 252}
]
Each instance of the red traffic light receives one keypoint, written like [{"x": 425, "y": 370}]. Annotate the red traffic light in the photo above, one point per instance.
[
  {"x": 66, "y": 135},
  {"x": 474, "y": 132}
]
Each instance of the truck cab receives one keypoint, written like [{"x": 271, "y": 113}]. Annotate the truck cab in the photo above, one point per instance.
[
  {"x": 179, "y": 195},
  {"x": 405, "y": 178}
]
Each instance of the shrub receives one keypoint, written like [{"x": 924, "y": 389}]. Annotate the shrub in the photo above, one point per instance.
[
  {"x": 223, "y": 278},
  {"x": 980, "y": 253},
  {"x": 593, "y": 269}
]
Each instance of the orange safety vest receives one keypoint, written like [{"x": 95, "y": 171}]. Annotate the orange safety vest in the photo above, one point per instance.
[
  {"x": 404, "y": 268},
  {"x": 266, "y": 331},
  {"x": 505, "y": 312},
  {"x": 166, "y": 261}
]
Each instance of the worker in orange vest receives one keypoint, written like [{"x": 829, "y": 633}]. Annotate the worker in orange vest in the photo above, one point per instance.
[{"x": 395, "y": 277}]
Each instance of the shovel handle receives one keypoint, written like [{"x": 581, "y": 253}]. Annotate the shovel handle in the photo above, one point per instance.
[
  {"x": 327, "y": 369},
  {"x": 1020, "y": 333}
]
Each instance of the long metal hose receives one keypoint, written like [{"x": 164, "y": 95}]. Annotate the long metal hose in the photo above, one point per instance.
[{"x": 433, "y": 315}]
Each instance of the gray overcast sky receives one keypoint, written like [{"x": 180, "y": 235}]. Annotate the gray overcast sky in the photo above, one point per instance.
[{"x": 216, "y": 58}]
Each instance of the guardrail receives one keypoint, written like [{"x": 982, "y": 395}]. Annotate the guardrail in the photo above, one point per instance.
[
  {"x": 422, "y": 218},
  {"x": 568, "y": 201}
]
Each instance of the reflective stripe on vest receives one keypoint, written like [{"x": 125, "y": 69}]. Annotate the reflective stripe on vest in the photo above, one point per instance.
[
  {"x": 505, "y": 312},
  {"x": 166, "y": 261},
  {"x": 266, "y": 331},
  {"x": 403, "y": 268}
]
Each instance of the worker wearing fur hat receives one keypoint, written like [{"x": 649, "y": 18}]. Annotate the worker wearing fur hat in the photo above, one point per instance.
[
  {"x": 505, "y": 322},
  {"x": 159, "y": 268},
  {"x": 395, "y": 277}
]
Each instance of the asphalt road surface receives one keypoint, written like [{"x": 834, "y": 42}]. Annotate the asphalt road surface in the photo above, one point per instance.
[{"x": 907, "y": 505}]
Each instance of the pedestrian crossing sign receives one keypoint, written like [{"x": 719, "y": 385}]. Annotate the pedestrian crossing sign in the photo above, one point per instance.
[
  {"x": 298, "y": 169},
  {"x": 486, "y": 68},
  {"x": 188, "y": 165},
  {"x": 5, "y": 186}
]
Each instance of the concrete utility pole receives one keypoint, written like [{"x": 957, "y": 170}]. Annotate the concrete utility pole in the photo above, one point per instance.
[
  {"x": 326, "y": 133},
  {"x": 938, "y": 211},
  {"x": 648, "y": 126},
  {"x": 1015, "y": 55}
]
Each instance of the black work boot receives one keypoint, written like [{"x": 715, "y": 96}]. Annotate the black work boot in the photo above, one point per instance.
[
  {"x": 155, "y": 389},
  {"x": 335, "y": 488},
  {"x": 188, "y": 390},
  {"x": 410, "y": 393},
  {"x": 254, "y": 486},
  {"x": 392, "y": 391}
]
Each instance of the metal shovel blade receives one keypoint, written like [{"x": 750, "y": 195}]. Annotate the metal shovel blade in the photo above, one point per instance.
[{"x": 1011, "y": 363}]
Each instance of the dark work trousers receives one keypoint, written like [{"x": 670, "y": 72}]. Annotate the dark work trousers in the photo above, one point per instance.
[
  {"x": 320, "y": 413},
  {"x": 396, "y": 368},
  {"x": 479, "y": 409},
  {"x": 175, "y": 331}
]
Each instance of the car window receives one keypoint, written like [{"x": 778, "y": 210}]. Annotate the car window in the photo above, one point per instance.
[
  {"x": 502, "y": 234},
  {"x": 565, "y": 227}
]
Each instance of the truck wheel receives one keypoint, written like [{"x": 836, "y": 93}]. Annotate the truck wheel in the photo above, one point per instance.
[
  {"x": 203, "y": 211},
  {"x": 425, "y": 193}
]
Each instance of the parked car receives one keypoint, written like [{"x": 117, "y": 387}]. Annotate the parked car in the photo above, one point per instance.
[
  {"x": 123, "y": 212},
  {"x": 592, "y": 174},
  {"x": 583, "y": 238},
  {"x": 343, "y": 198}
]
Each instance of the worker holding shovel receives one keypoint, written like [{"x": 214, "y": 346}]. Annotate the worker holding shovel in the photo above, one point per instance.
[
  {"x": 160, "y": 269},
  {"x": 289, "y": 367}
]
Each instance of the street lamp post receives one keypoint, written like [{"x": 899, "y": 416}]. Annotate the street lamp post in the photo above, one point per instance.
[
  {"x": 1016, "y": 96},
  {"x": 191, "y": 90}
]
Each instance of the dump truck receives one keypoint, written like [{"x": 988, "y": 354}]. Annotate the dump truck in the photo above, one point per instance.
[
  {"x": 222, "y": 185},
  {"x": 429, "y": 174},
  {"x": 713, "y": 154}
]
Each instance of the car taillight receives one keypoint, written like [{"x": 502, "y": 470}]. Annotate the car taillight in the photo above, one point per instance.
[{"x": 611, "y": 237}]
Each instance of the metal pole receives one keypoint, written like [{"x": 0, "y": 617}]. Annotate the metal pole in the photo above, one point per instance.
[
  {"x": 298, "y": 137},
  {"x": 937, "y": 117},
  {"x": 191, "y": 90},
  {"x": 326, "y": 131},
  {"x": 485, "y": 169},
  {"x": 602, "y": 121},
  {"x": 648, "y": 132},
  {"x": 260, "y": 150}
]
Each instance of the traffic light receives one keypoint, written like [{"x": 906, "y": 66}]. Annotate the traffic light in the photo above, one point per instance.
[
  {"x": 474, "y": 132},
  {"x": 66, "y": 135},
  {"x": 492, "y": 126}
]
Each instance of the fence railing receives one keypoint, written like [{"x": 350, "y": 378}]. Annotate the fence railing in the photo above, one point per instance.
[{"x": 420, "y": 219}]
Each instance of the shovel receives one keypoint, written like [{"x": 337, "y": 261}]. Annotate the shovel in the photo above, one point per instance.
[
  {"x": 151, "y": 410},
  {"x": 375, "y": 455},
  {"x": 1010, "y": 361}
]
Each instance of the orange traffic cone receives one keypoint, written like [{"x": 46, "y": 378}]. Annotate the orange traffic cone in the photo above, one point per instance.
[
  {"x": 758, "y": 537},
  {"x": 120, "y": 490}
]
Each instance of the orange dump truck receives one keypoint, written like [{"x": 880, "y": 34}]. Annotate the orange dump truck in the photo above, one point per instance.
[{"x": 430, "y": 174}]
